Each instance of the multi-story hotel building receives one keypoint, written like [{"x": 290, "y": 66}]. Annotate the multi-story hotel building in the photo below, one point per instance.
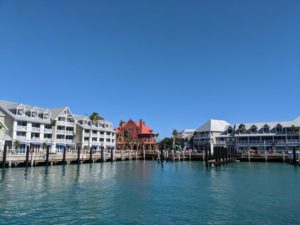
[
  {"x": 262, "y": 136},
  {"x": 98, "y": 135},
  {"x": 39, "y": 127}
]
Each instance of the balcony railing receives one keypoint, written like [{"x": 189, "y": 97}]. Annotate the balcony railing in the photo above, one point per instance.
[
  {"x": 61, "y": 131},
  {"x": 35, "y": 129},
  {"x": 47, "y": 130},
  {"x": 22, "y": 128},
  {"x": 69, "y": 132},
  {"x": 35, "y": 138}
]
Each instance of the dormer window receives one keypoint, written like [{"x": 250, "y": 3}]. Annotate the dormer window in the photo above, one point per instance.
[
  {"x": 46, "y": 115},
  {"x": 230, "y": 130},
  {"x": 34, "y": 112},
  {"x": 21, "y": 110},
  {"x": 266, "y": 129},
  {"x": 279, "y": 129},
  {"x": 253, "y": 129}
]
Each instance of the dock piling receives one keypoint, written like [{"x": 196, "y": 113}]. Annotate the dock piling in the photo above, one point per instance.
[
  {"x": 4, "y": 156},
  {"x": 27, "y": 155}
]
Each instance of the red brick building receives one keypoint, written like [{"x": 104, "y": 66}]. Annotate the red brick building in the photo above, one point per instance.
[{"x": 135, "y": 135}]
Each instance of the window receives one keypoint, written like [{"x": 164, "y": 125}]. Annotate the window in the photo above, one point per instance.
[
  {"x": 266, "y": 129},
  {"x": 21, "y": 134},
  {"x": 22, "y": 123},
  {"x": 279, "y": 129},
  {"x": 253, "y": 129},
  {"x": 36, "y": 125}
]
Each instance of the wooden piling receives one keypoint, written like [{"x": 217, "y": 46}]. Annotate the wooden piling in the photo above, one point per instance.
[
  {"x": 102, "y": 155},
  {"x": 4, "y": 156},
  {"x": 64, "y": 156},
  {"x": 27, "y": 155},
  {"x": 112, "y": 157},
  {"x": 47, "y": 155},
  {"x": 91, "y": 154},
  {"x": 294, "y": 157},
  {"x": 78, "y": 155}
]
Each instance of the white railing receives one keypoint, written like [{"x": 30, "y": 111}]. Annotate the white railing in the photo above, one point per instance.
[
  {"x": 21, "y": 137},
  {"x": 69, "y": 132},
  {"x": 47, "y": 130},
  {"x": 35, "y": 129},
  {"x": 22, "y": 128},
  {"x": 61, "y": 131},
  {"x": 69, "y": 141},
  {"x": 35, "y": 138}
]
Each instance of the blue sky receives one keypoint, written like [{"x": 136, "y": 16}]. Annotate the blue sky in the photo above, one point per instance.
[{"x": 174, "y": 63}]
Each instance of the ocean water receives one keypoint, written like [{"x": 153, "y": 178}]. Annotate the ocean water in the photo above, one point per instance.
[{"x": 146, "y": 192}]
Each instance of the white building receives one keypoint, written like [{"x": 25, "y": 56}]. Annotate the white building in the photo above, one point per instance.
[
  {"x": 205, "y": 135},
  {"x": 262, "y": 136},
  {"x": 39, "y": 127}
]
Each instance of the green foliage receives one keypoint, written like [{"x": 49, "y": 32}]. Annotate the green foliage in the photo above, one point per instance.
[
  {"x": 53, "y": 123},
  {"x": 166, "y": 143},
  {"x": 242, "y": 128},
  {"x": 17, "y": 144},
  {"x": 95, "y": 117}
]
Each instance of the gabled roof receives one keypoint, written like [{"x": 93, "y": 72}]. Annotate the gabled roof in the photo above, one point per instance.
[
  {"x": 94, "y": 127},
  {"x": 2, "y": 114},
  {"x": 8, "y": 107},
  {"x": 143, "y": 129},
  {"x": 214, "y": 126}
]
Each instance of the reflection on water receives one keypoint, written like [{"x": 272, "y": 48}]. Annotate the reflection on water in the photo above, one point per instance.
[{"x": 146, "y": 192}]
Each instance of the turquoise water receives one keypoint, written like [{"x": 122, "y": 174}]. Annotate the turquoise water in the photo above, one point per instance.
[{"x": 140, "y": 192}]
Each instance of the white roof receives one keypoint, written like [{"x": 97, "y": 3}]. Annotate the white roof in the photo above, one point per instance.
[{"x": 213, "y": 126}]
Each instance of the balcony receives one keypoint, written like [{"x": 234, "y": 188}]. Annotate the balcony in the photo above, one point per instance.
[
  {"x": 48, "y": 139},
  {"x": 69, "y": 132},
  {"x": 35, "y": 129},
  {"x": 61, "y": 131},
  {"x": 35, "y": 138},
  {"x": 69, "y": 141},
  {"x": 22, "y": 128},
  {"x": 47, "y": 130},
  {"x": 21, "y": 137}
]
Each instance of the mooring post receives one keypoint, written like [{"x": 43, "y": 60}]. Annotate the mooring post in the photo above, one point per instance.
[
  {"x": 4, "y": 156},
  {"x": 102, "y": 154},
  {"x": 173, "y": 155},
  {"x": 64, "y": 156},
  {"x": 91, "y": 154},
  {"x": 47, "y": 155},
  {"x": 190, "y": 155},
  {"x": 294, "y": 157},
  {"x": 32, "y": 158},
  {"x": 206, "y": 157},
  {"x": 161, "y": 154},
  {"x": 27, "y": 155},
  {"x": 249, "y": 156},
  {"x": 78, "y": 155},
  {"x": 144, "y": 154},
  {"x": 112, "y": 155}
]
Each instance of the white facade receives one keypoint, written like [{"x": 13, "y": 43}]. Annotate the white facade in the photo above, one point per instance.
[
  {"x": 262, "y": 136},
  {"x": 39, "y": 127}
]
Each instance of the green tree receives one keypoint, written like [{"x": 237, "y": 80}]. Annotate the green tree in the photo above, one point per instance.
[
  {"x": 174, "y": 134},
  {"x": 166, "y": 143},
  {"x": 242, "y": 128}
]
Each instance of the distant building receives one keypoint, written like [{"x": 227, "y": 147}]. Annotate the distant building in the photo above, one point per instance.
[
  {"x": 262, "y": 136},
  {"x": 33, "y": 126},
  {"x": 205, "y": 135},
  {"x": 135, "y": 135},
  {"x": 186, "y": 138}
]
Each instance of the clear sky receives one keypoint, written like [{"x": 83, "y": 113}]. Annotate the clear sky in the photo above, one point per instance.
[{"x": 173, "y": 63}]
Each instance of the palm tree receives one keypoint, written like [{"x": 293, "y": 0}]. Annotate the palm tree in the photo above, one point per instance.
[
  {"x": 174, "y": 134},
  {"x": 94, "y": 117},
  {"x": 242, "y": 128}
]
